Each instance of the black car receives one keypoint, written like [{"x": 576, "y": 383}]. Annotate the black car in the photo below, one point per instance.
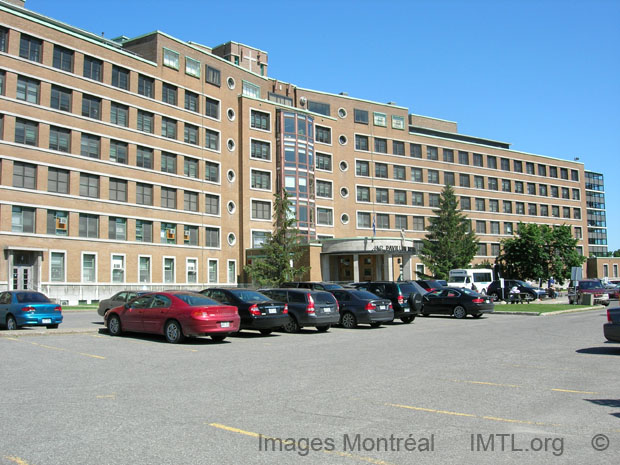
[
  {"x": 406, "y": 296},
  {"x": 458, "y": 302},
  {"x": 256, "y": 310},
  {"x": 357, "y": 306},
  {"x": 430, "y": 284},
  {"x": 306, "y": 308},
  {"x": 314, "y": 285},
  {"x": 611, "y": 329},
  {"x": 527, "y": 292}
]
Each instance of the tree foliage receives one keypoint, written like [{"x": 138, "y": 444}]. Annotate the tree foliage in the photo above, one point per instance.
[
  {"x": 282, "y": 252},
  {"x": 540, "y": 252},
  {"x": 450, "y": 242}
]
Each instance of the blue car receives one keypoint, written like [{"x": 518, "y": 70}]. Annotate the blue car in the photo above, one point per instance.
[{"x": 28, "y": 308}]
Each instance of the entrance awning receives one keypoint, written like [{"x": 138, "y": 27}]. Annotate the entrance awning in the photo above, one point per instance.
[{"x": 369, "y": 245}]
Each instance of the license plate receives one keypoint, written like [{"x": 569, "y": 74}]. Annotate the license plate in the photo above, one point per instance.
[
  {"x": 327, "y": 310},
  {"x": 225, "y": 324},
  {"x": 272, "y": 310},
  {"x": 406, "y": 310},
  {"x": 46, "y": 320},
  {"x": 381, "y": 307}
]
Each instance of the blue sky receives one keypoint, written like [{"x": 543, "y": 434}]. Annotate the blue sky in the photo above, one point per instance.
[{"x": 543, "y": 75}]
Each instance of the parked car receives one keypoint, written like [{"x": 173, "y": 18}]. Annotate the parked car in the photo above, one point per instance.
[
  {"x": 611, "y": 329},
  {"x": 175, "y": 314},
  {"x": 306, "y": 308},
  {"x": 314, "y": 285},
  {"x": 256, "y": 310},
  {"x": 28, "y": 308},
  {"x": 600, "y": 295},
  {"x": 117, "y": 300},
  {"x": 431, "y": 284},
  {"x": 613, "y": 290},
  {"x": 527, "y": 291},
  {"x": 406, "y": 296},
  {"x": 458, "y": 302},
  {"x": 357, "y": 306}
]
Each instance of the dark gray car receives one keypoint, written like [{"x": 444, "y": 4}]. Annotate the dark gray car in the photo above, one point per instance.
[
  {"x": 357, "y": 306},
  {"x": 118, "y": 299},
  {"x": 306, "y": 308},
  {"x": 406, "y": 296}
]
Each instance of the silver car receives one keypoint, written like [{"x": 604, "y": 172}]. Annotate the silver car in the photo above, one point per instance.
[{"x": 118, "y": 299}]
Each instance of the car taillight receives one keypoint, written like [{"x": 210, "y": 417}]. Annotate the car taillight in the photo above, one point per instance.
[
  {"x": 478, "y": 301},
  {"x": 391, "y": 307},
  {"x": 58, "y": 308},
  {"x": 401, "y": 299},
  {"x": 254, "y": 310},
  {"x": 200, "y": 314},
  {"x": 27, "y": 309},
  {"x": 310, "y": 306},
  {"x": 370, "y": 306},
  {"x": 608, "y": 317},
  {"x": 285, "y": 311}
]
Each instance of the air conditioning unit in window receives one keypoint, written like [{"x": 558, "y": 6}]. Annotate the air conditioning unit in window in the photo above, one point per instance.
[
  {"x": 170, "y": 234},
  {"x": 186, "y": 236},
  {"x": 118, "y": 266},
  {"x": 191, "y": 267},
  {"x": 61, "y": 223}
]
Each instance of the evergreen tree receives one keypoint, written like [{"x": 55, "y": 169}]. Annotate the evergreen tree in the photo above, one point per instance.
[
  {"x": 283, "y": 250},
  {"x": 450, "y": 242}
]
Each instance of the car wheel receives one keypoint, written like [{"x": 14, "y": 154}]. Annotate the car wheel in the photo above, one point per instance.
[
  {"x": 11, "y": 323},
  {"x": 494, "y": 297},
  {"x": 323, "y": 328},
  {"x": 218, "y": 337},
  {"x": 407, "y": 319},
  {"x": 266, "y": 332},
  {"x": 173, "y": 332},
  {"x": 477, "y": 315},
  {"x": 114, "y": 325},
  {"x": 348, "y": 320},
  {"x": 459, "y": 312},
  {"x": 291, "y": 326},
  {"x": 375, "y": 324},
  {"x": 52, "y": 326},
  {"x": 605, "y": 304}
]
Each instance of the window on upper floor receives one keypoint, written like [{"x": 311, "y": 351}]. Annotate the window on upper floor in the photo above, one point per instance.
[
  {"x": 261, "y": 120},
  {"x": 120, "y": 77},
  {"x": 360, "y": 116},
  {"x": 30, "y": 48},
  {"x": 60, "y": 98},
  {"x": 169, "y": 93},
  {"x": 170, "y": 58},
  {"x": 93, "y": 68},
  {"x": 63, "y": 58},
  {"x": 146, "y": 86},
  {"x": 213, "y": 76}
]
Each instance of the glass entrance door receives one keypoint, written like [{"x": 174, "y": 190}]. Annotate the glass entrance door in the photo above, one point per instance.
[{"x": 22, "y": 277}]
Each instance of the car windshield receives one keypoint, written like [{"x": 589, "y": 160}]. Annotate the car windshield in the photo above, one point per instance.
[
  {"x": 468, "y": 291},
  {"x": 323, "y": 298},
  {"x": 249, "y": 296},
  {"x": 411, "y": 288},
  {"x": 364, "y": 295},
  {"x": 524, "y": 284},
  {"x": 331, "y": 287},
  {"x": 196, "y": 300},
  {"x": 31, "y": 297},
  {"x": 457, "y": 279},
  {"x": 589, "y": 285}
]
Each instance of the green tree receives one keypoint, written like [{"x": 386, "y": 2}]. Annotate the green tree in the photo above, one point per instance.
[
  {"x": 282, "y": 252},
  {"x": 450, "y": 242},
  {"x": 540, "y": 252}
]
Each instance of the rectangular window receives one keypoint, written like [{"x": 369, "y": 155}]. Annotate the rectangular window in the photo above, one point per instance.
[
  {"x": 191, "y": 101},
  {"x": 433, "y": 176},
  {"x": 464, "y": 180},
  {"x": 146, "y": 121},
  {"x": 30, "y": 48},
  {"x": 381, "y": 195},
  {"x": 398, "y": 147},
  {"x": 381, "y": 170},
  {"x": 555, "y": 211},
  {"x": 415, "y": 150},
  {"x": 212, "y": 139},
  {"x": 212, "y": 108},
  {"x": 259, "y": 238},
  {"x": 93, "y": 68},
  {"x": 507, "y": 206},
  {"x": 168, "y": 128},
  {"x": 555, "y": 191},
  {"x": 323, "y": 135},
  {"x": 399, "y": 172},
  {"x": 576, "y": 194},
  {"x": 433, "y": 200},
  {"x": 478, "y": 159},
  {"x": 118, "y": 269},
  {"x": 26, "y": 132},
  {"x": 432, "y": 153},
  {"x": 361, "y": 142},
  {"x": 363, "y": 220},
  {"x": 118, "y": 151},
  {"x": 379, "y": 119},
  {"x": 507, "y": 228},
  {"x": 553, "y": 171},
  {"x": 190, "y": 201},
  {"x": 564, "y": 173},
  {"x": 24, "y": 175},
  {"x": 383, "y": 221},
  {"x": 319, "y": 107},
  {"x": 261, "y": 179},
  {"x": 481, "y": 227},
  {"x": 360, "y": 116},
  {"x": 212, "y": 204},
  {"x": 324, "y": 189},
  {"x": 89, "y": 226},
  {"x": 169, "y": 93},
  {"x": 170, "y": 58},
  {"x": 491, "y": 162},
  {"x": 90, "y": 146},
  {"x": 448, "y": 155},
  {"x": 190, "y": 167},
  {"x": 448, "y": 178},
  {"x": 57, "y": 180},
  {"x": 212, "y": 171},
  {"x": 363, "y": 194},
  {"x": 119, "y": 114},
  {"x": 463, "y": 158},
  {"x": 212, "y": 265},
  {"x": 531, "y": 188},
  {"x": 520, "y": 208},
  {"x": 517, "y": 166},
  {"x": 23, "y": 219},
  {"x": 577, "y": 213},
  {"x": 146, "y": 86},
  {"x": 380, "y": 145},
  {"x": 28, "y": 89},
  {"x": 212, "y": 76},
  {"x": 505, "y": 164},
  {"x": 250, "y": 90},
  {"x": 117, "y": 229},
  {"x": 494, "y": 227},
  {"x": 532, "y": 209},
  {"x": 191, "y": 267},
  {"x": 89, "y": 268},
  {"x": 91, "y": 106},
  {"x": 118, "y": 190},
  {"x": 418, "y": 223},
  {"x": 519, "y": 187},
  {"x": 212, "y": 237},
  {"x": 544, "y": 210},
  {"x": 190, "y": 235},
  {"x": 574, "y": 175},
  {"x": 144, "y": 157},
  {"x": 480, "y": 205},
  {"x": 57, "y": 267},
  {"x": 324, "y": 216},
  {"x": 542, "y": 190},
  {"x": 417, "y": 199},
  {"x": 60, "y": 98},
  {"x": 323, "y": 161},
  {"x": 417, "y": 175},
  {"x": 281, "y": 99},
  {"x": 542, "y": 170},
  {"x": 398, "y": 122},
  {"x": 529, "y": 168},
  {"x": 465, "y": 202},
  {"x": 261, "y": 120},
  {"x": 362, "y": 168},
  {"x": 482, "y": 250},
  {"x": 144, "y": 194},
  {"x": 479, "y": 182},
  {"x": 190, "y": 134},
  {"x": 494, "y": 205},
  {"x": 261, "y": 210},
  {"x": 120, "y": 77},
  {"x": 506, "y": 185},
  {"x": 168, "y": 197},
  {"x": 144, "y": 231},
  {"x": 192, "y": 67},
  {"x": 144, "y": 270},
  {"x": 60, "y": 139},
  {"x": 400, "y": 197},
  {"x": 492, "y": 183},
  {"x": 4, "y": 39},
  {"x": 89, "y": 185},
  {"x": 169, "y": 273}
]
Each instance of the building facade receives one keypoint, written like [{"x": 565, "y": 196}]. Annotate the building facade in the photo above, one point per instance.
[
  {"x": 597, "y": 217},
  {"x": 152, "y": 162}
]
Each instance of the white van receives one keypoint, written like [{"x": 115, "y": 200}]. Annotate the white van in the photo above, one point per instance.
[{"x": 480, "y": 277}]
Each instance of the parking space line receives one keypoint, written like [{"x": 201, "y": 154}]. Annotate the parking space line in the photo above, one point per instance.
[
  {"x": 62, "y": 349},
  {"x": 360, "y": 458},
  {"x": 486, "y": 383},
  {"x": 574, "y": 392},
  {"x": 484, "y": 417},
  {"x": 17, "y": 460}
]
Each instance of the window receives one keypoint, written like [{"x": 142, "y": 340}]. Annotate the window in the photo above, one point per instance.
[
  {"x": 60, "y": 98},
  {"x": 170, "y": 58},
  {"x": 531, "y": 188},
  {"x": 26, "y": 132},
  {"x": 323, "y": 161},
  {"x": 383, "y": 221},
  {"x": 89, "y": 225},
  {"x": 119, "y": 114},
  {"x": 518, "y": 166},
  {"x": 360, "y": 116},
  {"x": 465, "y": 202},
  {"x": 576, "y": 194},
  {"x": 4, "y": 35},
  {"x": 417, "y": 175},
  {"x": 574, "y": 175},
  {"x": 480, "y": 205},
  {"x": 190, "y": 201},
  {"x": 93, "y": 68},
  {"x": 212, "y": 270},
  {"x": 169, "y": 93},
  {"x": 118, "y": 190},
  {"x": 250, "y": 90},
  {"x": 89, "y": 269},
  {"x": 89, "y": 185},
  {"x": 144, "y": 157},
  {"x": 363, "y": 194},
  {"x": 542, "y": 170},
  {"x": 57, "y": 267},
  {"x": 478, "y": 159},
  {"x": 90, "y": 146},
  {"x": 57, "y": 180},
  {"x": 361, "y": 142},
  {"x": 362, "y": 168},
  {"x": 433, "y": 176},
  {"x": 398, "y": 122},
  {"x": 191, "y": 267},
  {"x": 325, "y": 216},
  {"x": 400, "y": 197},
  {"x": 212, "y": 139},
  {"x": 24, "y": 175},
  {"x": 481, "y": 227},
  {"x": 463, "y": 158},
  {"x": 494, "y": 205},
  {"x": 381, "y": 170},
  {"x": 433, "y": 200},
  {"x": 432, "y": 153},
  {"x": 544, "y": 210},
  {"x": 120, "y": 77},
  {"x": 324, "y": 189},
  {"x": 505, "y": 164},
  {"x": 144, "y": 231},
  {"x": 494, "y": 227},
  {"x": 212, "y": 204},
  {"x": 555, "y": 211},
  {"x": 30, "y": 48},
  {"x": 117, "y": 229},
  {"x": 529, "y": 168},
  {"x": 482, "y": 250},
  {"x": 28, "y": 90},
  {"x": 381, "y": 195},
  {"x": 532, "y": 209},
  {"x": 91, "y": 106},
  {"x": 491, "y": 162},
  {"x": 23, "y": 219},
  {"x": 190, "y": 134},
  {"x": 398, "y": 147},
  {"x": 146, "y": 86},
  {"x": 144, "y": 194},
  {"x": 363, "y": 220},
  {"x": 448, "y": 178},
  {"x": 261, "y": 210},
  {"x": 168, "y": 128},
  {"x": 212, "y": 237},
  {"x": 260, "y": 179},
  {"x": 145, "y": 121},
  {"x": 464, "y": 180},
  {"x": 417, "y": 199},
  {"x": 492, "y": 184},
  {"x": 448, "y": 155},
  {"x": 190, "y": 167},
  {"x": 169, "y": 270},
  {"x": 579, "y": 235},
  {"x": 506, "y": 187},
  {"x": 577, "y": 213},
  {"x": 168, "y": 197},
  {"x": 564, "y": 173},
  {"x": 212, "y": 76},
  {"x": 553, "y": 171},
  {"x": 507, "y": 205},
  {"x": 212, "y": 108},
  {"x": 60, "y": 139},
  {"x": 542, "y": 190},
  {"x": 319, "y": 107},
  {"x": 507, "y": 228},
  {"x": 323, "y": 135},
  {"x": 555, "y": 191},
  {"x": 259, "y": 238},
  {"x": 418, "y": 223},
  {"x": 478, "y": 182},
  {"x": 118, "y": 268},
  {"x": 519, "y": 187},
  {"x": 190, "y": 235},
  {"x": 399, "y": 172},
  {"x": 192, "y": 67},
  {"x": 415, "y": 150},
  {"x": 379, "y": 119},
  {"x": 520, "y": 208},
  {"x": 380, "y": 145}
]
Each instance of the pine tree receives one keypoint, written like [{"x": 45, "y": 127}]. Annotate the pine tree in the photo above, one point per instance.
[
  {"x": 283, "y": 250},
  {"x": 450, "y": 242}
]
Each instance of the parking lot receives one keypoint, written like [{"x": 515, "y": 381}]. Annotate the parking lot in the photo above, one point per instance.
[{"x": 499, "y": 388}]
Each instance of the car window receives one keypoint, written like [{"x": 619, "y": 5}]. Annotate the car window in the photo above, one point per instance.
[
  {"x": 330, "y": 287},
  {"x": 364, "y": 295},
  {"x": 249, "y": 296},
  {"x": 141, "y": 302},
  {"x": 297, "y": 297},
  {"x": 131, "y": 295},
  {"x": 119, "y": 296},
  {"x": 435, "y": 293},
  {"x": 450, "y": 293},
  {"x": 31, "y": 297},
  {"x": 278, "y": 295},
  {"x": 342, "y": 296},
  {"x": 457, "y": 279},
  {"x": 411, "y": 288},
  {"x": 160, "y": 301},
  {"x": 323, "y": 298},
  {"x": 5, "y": 298}
]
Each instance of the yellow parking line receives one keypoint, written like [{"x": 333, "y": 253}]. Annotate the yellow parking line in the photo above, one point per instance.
[
  {"x": 106, "y": 396},
  {"x": 486, "y": 383},
  {"x": 575, "y": 392},
  {"x": 17, "y": 460},
  {"x": 422, "y": 409}
]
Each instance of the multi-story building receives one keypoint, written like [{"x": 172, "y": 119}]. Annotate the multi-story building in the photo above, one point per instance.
[
  {"x": 153, "y": 162},
  {"x": 596, "y": 214}
]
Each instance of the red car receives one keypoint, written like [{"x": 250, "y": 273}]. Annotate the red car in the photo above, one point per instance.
[{"x": 175, "y": 314}]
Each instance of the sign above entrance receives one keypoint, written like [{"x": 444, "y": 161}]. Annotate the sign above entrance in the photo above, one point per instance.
[
  {"x": 393, "y": 249},
  {"x": 368, "y": 245}
]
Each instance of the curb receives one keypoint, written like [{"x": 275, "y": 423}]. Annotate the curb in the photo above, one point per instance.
[
  {"x": 559, "y": 312},
  {"x": 50, "y": 332}
]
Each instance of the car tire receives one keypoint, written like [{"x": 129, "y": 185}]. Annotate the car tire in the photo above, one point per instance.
[
  {"x": 218, "y": 337},
  {"x": 348, "y": 320},
  {"x": 266, "y": 332},
  {"x": 375, "y": 324},
  {"x": 407, "y": 319},
  {"x": 459, "y": 312},
  {"x": 173, "y": 332},
  {"x": 11, "y": 323},
  {"x": 494, "y": 297},
  {"x": 54, "y": 326},
  {"x": 114, "y": 326},
  {"x": 292, "y": 326},
  {"x": 605, "y": 304},
  {"x": 323, "y": 328},
  {"x": 477, "y": 315},
  {"x": 415, "y": 302}
]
